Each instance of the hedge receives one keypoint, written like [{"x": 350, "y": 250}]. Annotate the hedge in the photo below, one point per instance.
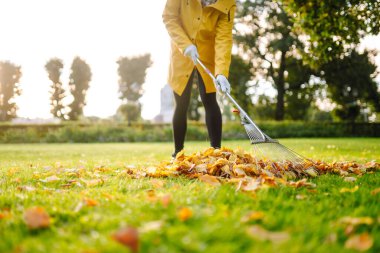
[{"x": 84, "y": 133}]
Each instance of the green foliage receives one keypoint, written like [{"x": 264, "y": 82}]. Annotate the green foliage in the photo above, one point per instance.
[
  {"x": 264, "y": 109},
  {"x": 240, "y": 75},
  {"x": 310, "y": 216},
  {"x": 351, "y": 84},
  {"x": 132, "y": 73},
  {"x": 101, "y": 132},
  {"x": 264, "y": 35},
  {"x": 80, "y": 78},
  {"x": 333, "y": 26},
  {"x": 131, "y": 111},
  {"x": 54, "y": 69},
  {"x": 10, "y": 75}
]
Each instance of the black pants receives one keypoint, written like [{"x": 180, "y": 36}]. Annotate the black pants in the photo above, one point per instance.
[{"x": 213, "y": 114}]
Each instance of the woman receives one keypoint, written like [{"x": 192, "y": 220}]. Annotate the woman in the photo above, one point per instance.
[{"x": 199, "y": 29}]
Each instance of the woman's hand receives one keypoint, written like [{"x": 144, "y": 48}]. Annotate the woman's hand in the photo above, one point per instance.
[
  {"x": 192, "y": 52},
  {"x": 222, "y": 84}
]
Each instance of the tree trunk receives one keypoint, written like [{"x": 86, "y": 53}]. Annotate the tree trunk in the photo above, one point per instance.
[{"x": 280, "y": 84}]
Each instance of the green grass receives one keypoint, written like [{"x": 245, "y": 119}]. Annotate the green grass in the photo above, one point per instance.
[{"x": 215, "y": 225}]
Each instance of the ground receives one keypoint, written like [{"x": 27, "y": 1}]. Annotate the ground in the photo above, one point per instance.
[{"x": 88, "y": 198}]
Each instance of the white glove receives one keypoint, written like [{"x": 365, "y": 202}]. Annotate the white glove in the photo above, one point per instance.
[
  {"x": 222, "y": 84},
  {"x": 192, "y": 52}
]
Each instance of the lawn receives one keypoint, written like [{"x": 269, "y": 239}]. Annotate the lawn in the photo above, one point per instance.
[{"x": 178, "y": 214}]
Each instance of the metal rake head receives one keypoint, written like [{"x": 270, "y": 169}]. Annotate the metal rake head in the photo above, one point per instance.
[{"x": 276, "y": 158}]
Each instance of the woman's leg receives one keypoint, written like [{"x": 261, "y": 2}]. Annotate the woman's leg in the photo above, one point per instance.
[
  {"x": 213, "y": 114},
  {"x": 180, "y": 116}
]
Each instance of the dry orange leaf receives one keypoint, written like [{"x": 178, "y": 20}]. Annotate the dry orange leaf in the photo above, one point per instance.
[
  {"x": 211, "y": 180},
  {"x": 184, "y": 214},
  {"x": 36, "y": 217},
  {"x": 91, "y": 202},
  {"x": 360, "y": 242},
  {"x": 129, "y": 237}
]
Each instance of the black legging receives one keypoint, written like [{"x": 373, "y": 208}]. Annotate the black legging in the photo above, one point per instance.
[{"x": 213, "y": 114}]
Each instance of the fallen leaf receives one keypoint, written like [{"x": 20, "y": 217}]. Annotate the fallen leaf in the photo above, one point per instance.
[
  {"x": 211, "y": 180},
  {"x": 252, "y": 185},
  {"x": 343, "y": 190},
  {"x": 50, "y": 179},
  {"x": 5, "y": 214},
  {"x": 252, "y": 216},
  {"x": 259, "y": 233},
  {"x": 90, "y": 202},
  {"x": 93, "y": 182},
  {"x": 129, "y": 237},
  {"x": 300, "y": 197},
  {"x": 151, "y": 226},
  {"x": 36, "y": 217},
  {"x": 350, "y": 179},
  {"x": 184, "y": 214},
  {"x": 311, "y": 172},
  {"x": 376, "y": 191},
  {"x": 26, "y": 188},
  {"x": 356, "y": 220},
  {"x": 360, "y": 242}
]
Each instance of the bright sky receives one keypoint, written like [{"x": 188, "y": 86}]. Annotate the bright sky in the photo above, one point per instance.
[{"x": 98, "y": 31}]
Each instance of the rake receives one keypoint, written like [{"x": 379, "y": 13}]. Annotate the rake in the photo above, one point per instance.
[{"x": 269, "y": 154}]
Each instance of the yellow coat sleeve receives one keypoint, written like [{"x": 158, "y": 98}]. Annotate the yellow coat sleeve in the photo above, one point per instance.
[
  {"x": 172, "y": 21},
  {"x": 223, "y": 42}
]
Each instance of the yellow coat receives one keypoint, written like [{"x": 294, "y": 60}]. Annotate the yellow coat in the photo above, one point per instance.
[{"x": 209, "y": 29}]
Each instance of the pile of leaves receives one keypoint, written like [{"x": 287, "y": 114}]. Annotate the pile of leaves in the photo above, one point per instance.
[{"x": 216, "y": 166}]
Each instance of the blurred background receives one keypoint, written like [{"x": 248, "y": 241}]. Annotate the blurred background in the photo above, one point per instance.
[{"x": 296, "y": 65}]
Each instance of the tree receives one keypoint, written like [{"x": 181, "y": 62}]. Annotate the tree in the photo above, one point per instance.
[
  {"x": 300, "y": 91},
  {"x": 351, "y": 84},
  {"x": 333, "y": 27},
  {"x": 10, "y": 75},
  {"x": 80, "y": 78},
  {"x": 54, "y": 68},
  {"x": 240, "y": 75},
  {"x": 264, "y": 35},
  {"x": 132, "y": 73}
]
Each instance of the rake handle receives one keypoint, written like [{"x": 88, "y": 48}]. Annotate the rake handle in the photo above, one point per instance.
[{"x": 244, "y": 114}]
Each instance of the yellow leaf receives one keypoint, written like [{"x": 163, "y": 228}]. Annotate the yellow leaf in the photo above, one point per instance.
[
  {"x": 211, "y": 180},
  {"x": 184, "y": 214},
  {"x": 252, "y": 216},
  {"x": 343, "y": 190},
  {"x": 356, "y": 220}
]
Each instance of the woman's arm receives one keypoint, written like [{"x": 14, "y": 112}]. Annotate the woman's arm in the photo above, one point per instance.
[
  {"x": 172, "y": 22},
  {"x": 223, "y": 42}
]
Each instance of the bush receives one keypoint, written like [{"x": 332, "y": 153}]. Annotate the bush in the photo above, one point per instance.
[{"x": 105, "y": 132}]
